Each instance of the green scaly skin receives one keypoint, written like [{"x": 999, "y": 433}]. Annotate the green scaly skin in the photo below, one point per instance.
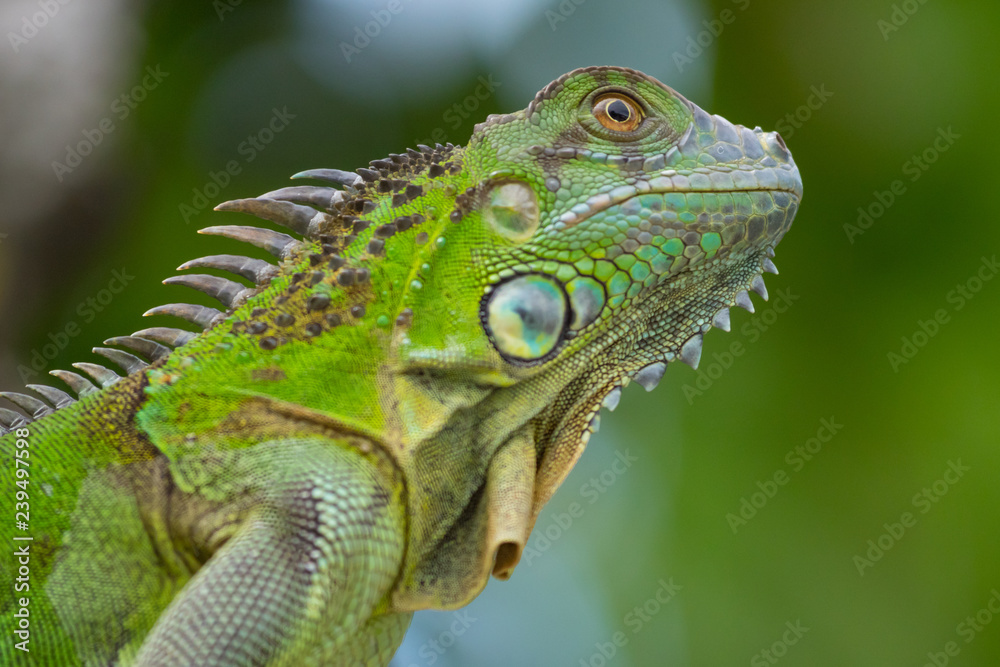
[{"x": 373, "y": 427}]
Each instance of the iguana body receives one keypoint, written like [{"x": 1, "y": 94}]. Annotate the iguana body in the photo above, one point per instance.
[{"x": 373, "y": 426}]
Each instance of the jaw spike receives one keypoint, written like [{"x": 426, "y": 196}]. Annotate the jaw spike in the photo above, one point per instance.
[
  {"x": 256, "y": 270},
  {"x": 276, "y": 243},
  {"x": 757, "y": 285},
  {"x": 770, "y": 252},
  {"x": 104, "y": 376},
  {"x": 227, "y": 292},
  {"x": 612, "y": 399},
  {"x": 29, "y": 404},
  {"x": 595, "y": 424},
  {"x": 80, "y": 385},
  {"x": 12, "y": 420},
  {"x": 650, "y": 376},
  {"x": 200, "y": 315},
  {"x": 339, "y": 176},
  {"x": 323, "y": 198},
  {"x": 129, "y": 362},
  {"x": 166, "y": 335},
  {"x": 303, "y": 220},
  {"x": 147, "y": 348},
  {"x": 743, "y": 301},
  {"x": 721, "y": 320},
  {"x": 770, "y": 267},
  {"x": 691, "y": 350},
  {"x": 57, "y": 397}
]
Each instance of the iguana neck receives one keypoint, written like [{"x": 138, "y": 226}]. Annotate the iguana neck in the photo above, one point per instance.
[{"x": 320, "y": 334}]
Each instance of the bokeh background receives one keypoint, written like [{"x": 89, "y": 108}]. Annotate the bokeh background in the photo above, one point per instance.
[{"x": 738, "y": 532}]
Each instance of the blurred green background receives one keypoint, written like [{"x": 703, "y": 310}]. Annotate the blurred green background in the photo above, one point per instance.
[{"x": 766, "y": 495}]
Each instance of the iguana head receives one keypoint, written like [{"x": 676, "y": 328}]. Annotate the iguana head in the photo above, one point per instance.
[{"x": 603, "y": 230}]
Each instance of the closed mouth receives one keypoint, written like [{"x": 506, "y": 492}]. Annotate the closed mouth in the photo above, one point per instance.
[{"x": 694, "y": 182}]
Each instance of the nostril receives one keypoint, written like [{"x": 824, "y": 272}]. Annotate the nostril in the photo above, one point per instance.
[{"x": 781, "y": 142}]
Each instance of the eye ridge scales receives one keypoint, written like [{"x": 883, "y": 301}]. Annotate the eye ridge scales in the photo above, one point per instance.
[{"x": 370, "y": 423}]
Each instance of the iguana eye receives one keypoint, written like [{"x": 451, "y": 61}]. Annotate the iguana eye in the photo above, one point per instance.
[
  {"x": 525, "y": 317},
  {"x": 617, "y": 112}
]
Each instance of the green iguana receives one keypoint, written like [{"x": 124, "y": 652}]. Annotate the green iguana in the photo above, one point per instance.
[{"x": 372, "y": 425}]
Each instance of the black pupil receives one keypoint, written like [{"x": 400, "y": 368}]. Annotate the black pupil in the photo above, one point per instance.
[{"x": 618, "y": 111}]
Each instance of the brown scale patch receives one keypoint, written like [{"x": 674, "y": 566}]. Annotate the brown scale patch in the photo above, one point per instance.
[
  {"x": 470, "y": 199},
  {"x": 269, "y": 374},
  {"x": 305, "y": 309}
]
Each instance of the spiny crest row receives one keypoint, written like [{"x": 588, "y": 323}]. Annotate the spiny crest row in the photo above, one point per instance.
[{"x": 309, "y": 211}]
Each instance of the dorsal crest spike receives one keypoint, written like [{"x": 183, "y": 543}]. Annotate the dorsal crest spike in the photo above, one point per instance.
[
  {"x": 368, "y": 175},
  {"x": 166, "y": 335},
  {"x": 34, "y": 407},
  {"x": 278, "y": 244},
  {"x": 339, "y": 176},
  {"x": 128, "y": 362},
  {"x": 11, "y": 420},
  {"x": 255, "y": 270},
  {"x": 227, "y": 292},
  {"x": 203, "y": 316},
  {"x": 102, "y": 375},
  {"x": 57, "y": 397},
  {"x": 80, "y": 385},
  {"x": 147, "y": 348},
  {"x": 323, "y": 198},
  {"x": 303, "y": 220}
]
